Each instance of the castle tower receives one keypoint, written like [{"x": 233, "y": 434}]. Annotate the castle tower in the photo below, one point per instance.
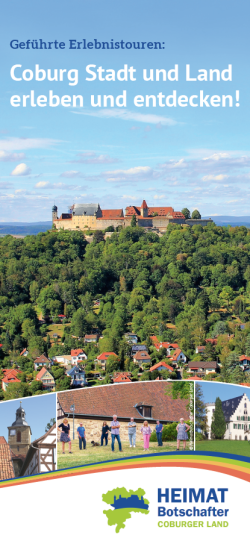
[
  {"x": 19, "y": 434},
  {"x": 54, "y": 213},
  {"x": 144, "y": 209}
]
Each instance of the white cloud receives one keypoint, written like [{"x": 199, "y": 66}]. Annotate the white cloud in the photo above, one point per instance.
[
  {"x": 138, "y": 173},
  {"x": 21, "y": 170},
  {"x": 42, "y": 184},
  {"x": 72, "y": 174},
  {"x": 11, "y": 157},
  {"x": 219, "y": 177},
  {"x": 90, "y": 157},
  {"x": 15, "y": 143},
  {"x": 123, "y": 114},
  {"x": 159, "y": 197},
  {"x": 129, "y": 197}
]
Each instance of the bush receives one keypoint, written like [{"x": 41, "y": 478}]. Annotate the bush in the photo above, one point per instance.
[
  {"x": 199, "y": 436},
  {"x": 169, "y": 432},
  {"x": 153, "y": 437}
]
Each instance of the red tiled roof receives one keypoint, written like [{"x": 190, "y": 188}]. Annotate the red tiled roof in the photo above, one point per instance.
[
  {"x": 11, "y": 376},
  {"x": 76, "y": 352},
  {"x": 175, "y": 346},
  {"x": 175, "y": 354},
  {"x": 24, "y": 350},
  {"x": 42, "y": 359},
  {"x": 242, "y": 357},
  {"x": 212, "y": 341},
  {"x": 161, "y": 364},
  {"x": 105, "y": 355},
  {"x": 111, "y": 214},
  {"x": 178, "y": 215},
  {"x": 144, "y": 204},
  {"x": 160, "y": 210},
  {"x": 6, "y": 464},
  {"x": 122, "y": 399},
  {"x": 141, "y": 355},
  {"x": 194, "y": 378},
  {"x": 41, "y": 373},
  {"x": 122, "y": 377},
  {"x": 90, "y": 336}
]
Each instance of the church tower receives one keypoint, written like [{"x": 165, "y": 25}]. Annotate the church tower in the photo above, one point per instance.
[
  {"x": 19, "y": 437},
  {"x": 54, "y": 213},
  {"x": 144, "y": 209}
]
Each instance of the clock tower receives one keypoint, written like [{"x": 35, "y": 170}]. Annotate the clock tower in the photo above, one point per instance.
[{"x": 19, "y": 434}]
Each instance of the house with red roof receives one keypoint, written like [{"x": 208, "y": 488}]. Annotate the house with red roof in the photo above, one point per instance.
[
  {"x": 121, "y": 377},
  {"x": 201, "y": 368},
  {"x": 212, "y": 341},
  {"x": 200, "y": 349},
  {"x": 42, "y": 361},
  {"x": 161, "y": 366},
  {"x": 47, "y": 379},
  {"x": 91, "y": 338},
  {"x": 78, "y": 355},
  {"x": 10, "y": 376},
  {"x": 244, "y": 360},
  {"x": 142, "y": 358},
  {"x": 177, "y": 356},
  {"x": 24, "y": 353},
  {"x": 103, "y": 357}
]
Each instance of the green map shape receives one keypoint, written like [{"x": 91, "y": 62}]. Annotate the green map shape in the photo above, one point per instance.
[{"x": 118, "y": 517}]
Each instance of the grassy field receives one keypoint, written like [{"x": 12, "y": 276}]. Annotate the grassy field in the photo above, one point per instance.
[
  {"x": 99, "y": 454},
  {"x": 221, "y": 446}
]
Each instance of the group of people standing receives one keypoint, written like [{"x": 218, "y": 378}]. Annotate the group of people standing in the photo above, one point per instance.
[{"x": 114, "y": 428}]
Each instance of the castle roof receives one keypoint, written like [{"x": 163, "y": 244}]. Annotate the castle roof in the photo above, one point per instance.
[
  {"x": 159, "y": 210},
  {"x": 144, "y": 204},
  {"x": 121, "y": 399},
  {"x": 86, "y": 209},
  {"x": 112, "y": 214},
  {"x": 230, "y": 405}
]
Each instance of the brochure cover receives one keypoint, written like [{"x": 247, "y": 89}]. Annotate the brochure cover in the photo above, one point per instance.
[{"x": 124, "y": 273}]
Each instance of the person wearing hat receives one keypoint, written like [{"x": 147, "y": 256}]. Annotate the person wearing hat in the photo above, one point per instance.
[
  {"x": 182, "y": 435},
  {"x": 81, "y": 436}
]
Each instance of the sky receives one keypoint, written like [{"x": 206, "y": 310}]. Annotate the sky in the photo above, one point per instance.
[
  {"x": 194, "y": 157},
  {"x": 212, "y": 390},
  {"x": 39, "y": 410}
]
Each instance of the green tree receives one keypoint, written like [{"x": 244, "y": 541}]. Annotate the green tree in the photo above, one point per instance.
[
  {"x": 50, "y": 424},
  {"x": 200, "y": 409},
  {"x": 218, "y": 426},
  {"x": 133, "y": 221},
  {"x": 186, "y": 213},
  {"x": 196, "y": 215}
]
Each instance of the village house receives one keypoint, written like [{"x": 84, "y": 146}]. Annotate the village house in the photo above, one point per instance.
[
  {"x": 78, "y": 355},
  {"x": 24, "y": 353},
  {"x": 142, "y": 401},
  {"x": 64, "y": 360},
  {"x": 244, "y": 361},
  {"x": 91, "y": 338},
  {"x": 46, "y": 378},
  {"x": 200, "y": 349},
  {"x": 177, "y": 356},
  {"x": 121, "y": 377},
  {"x": 77, "y": 375},
  {"x": 201, "y": 368},
  {"x": 142, "y": 358},
  {"x": 131, "y": 338},
  {"x": 212, "y": 341},
  {"x": 10, "y": 376},
  {"x": 237, "y": 416},
  {"x": 162, "y": 366},
  {"x": 42, "y": 361},
  {"x": 41, "y": 456},
  {"x": 6, "y": 463},
  {"x": 158, "y": 345},
  {"x": 103, "y": 357},
  {"x": 138, "y": 347}
]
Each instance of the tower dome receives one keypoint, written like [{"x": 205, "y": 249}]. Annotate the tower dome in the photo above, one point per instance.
[{"x": 20, "y": 417}]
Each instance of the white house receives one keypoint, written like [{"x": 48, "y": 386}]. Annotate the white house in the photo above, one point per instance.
[
  {"x": 237, "y": 416},
  {"x": 64, "y": 360},
  {"x": 77, "y": 355},
  {"x": 41, "y": 456}
]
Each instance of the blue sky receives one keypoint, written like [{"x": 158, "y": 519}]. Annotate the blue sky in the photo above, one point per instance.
[
  {"x": 193, "y": 157},
  {"x": 39, "y": 410},
  {"x": 211, "y": 390}
]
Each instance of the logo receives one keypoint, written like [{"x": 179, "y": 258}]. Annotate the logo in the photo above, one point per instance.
[{"x": 124, "y": 503}]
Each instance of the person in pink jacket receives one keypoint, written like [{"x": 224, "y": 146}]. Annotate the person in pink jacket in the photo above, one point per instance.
[{"x": 146, "y": 431}]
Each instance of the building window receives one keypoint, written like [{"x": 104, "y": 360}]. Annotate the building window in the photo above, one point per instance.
[
  {"x": 245, "y": 405},
  {"x": 18, "y": 437}
]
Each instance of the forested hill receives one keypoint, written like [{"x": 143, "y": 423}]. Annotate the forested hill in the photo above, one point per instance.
[{"x": 197, "y": 280}]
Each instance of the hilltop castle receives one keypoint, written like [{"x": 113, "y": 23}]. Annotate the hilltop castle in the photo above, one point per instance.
[
  {"x": 91, "y": 216},
  {"x": 132, "y": 501}
]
